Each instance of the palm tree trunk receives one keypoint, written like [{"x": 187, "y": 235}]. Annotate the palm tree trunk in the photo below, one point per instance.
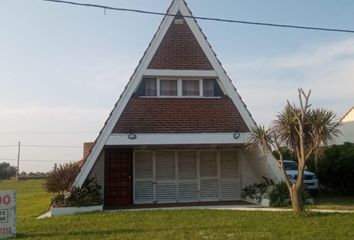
[{"x": 296, "y": 200}]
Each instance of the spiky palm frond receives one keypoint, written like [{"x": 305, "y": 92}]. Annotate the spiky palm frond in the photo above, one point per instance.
[
  {"x": 324, "y": 128},
  {"x": 318, "y": 126},
  {"x": 286, "y": 126},
  {"x": 260, "y": 136}
]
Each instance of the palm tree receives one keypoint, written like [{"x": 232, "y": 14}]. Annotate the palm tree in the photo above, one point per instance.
[
  {"x": 300, "y": 129},
  {"x": 325, "y": 130}
]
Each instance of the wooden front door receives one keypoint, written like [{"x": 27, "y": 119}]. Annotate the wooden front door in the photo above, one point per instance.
[{"x": 118, "y": 177}]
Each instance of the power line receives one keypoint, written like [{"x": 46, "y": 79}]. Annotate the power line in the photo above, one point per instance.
[
  {"x": 45, "y": 132},
  {"x": 43, "y": 160},
  {"x": 39, "y": 146},
  {"x": 205, "y": 18},
  {"x": 50, "y": 146},
  {"x": 36, "y": 160}
]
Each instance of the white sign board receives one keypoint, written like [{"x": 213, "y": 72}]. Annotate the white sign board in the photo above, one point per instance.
[{"x": 7, "y": 214}]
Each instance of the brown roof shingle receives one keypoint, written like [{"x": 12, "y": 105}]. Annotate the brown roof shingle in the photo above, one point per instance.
[{"x": 180, "y": 115}]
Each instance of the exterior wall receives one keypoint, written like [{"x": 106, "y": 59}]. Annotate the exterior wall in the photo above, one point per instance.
[
  {"x": 248, "y": 174},
  {"x": 347, "y": 129},
  {"x": 262, "y": 165},
  {"x": 87, "y": 148},
  {"x": 180, "y": 50},
  {"x": 180, "y": 115},
  {"x": 349, "y": 117},
  {"x": 97, "y": 172}
]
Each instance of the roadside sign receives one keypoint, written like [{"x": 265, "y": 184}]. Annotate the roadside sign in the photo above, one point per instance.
[{"x": 7, "y": 214}]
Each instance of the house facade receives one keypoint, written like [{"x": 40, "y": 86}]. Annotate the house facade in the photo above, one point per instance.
[
  {"x": 346, "y": 126},
  {"x": 179, "y": 130}
]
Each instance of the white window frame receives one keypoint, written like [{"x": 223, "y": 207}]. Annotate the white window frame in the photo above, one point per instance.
[
  {"x": 159, "y": 88},
  {"x": 191, "y": 79},
  {"x": 180, "y": 87}
]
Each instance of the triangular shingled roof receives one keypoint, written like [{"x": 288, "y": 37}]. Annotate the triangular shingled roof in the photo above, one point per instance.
[{"x": 152, "y": 54}]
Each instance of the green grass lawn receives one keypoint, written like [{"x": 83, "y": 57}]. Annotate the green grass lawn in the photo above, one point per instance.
[
  {"x": 182, "y": 224},
  {"x": 333, "y": 202}
]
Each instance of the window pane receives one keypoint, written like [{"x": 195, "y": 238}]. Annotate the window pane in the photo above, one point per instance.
[
  {"x": 150, "y": 87},
  {"x": 168, "y": 87},
  {"x": 208, "y": 87},
  {"x": 190, "y": 88}
]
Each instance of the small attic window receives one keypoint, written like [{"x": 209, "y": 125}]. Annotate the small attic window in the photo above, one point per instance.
[
  {"x": 208, "y": 88},
  {"x": 150, "y": 87},
  {"x": 191, "y": 88},
  {"x": 168, "y": 88},
  {"x": 178, "y": 19},
  {"x": 179, "y": 87}
]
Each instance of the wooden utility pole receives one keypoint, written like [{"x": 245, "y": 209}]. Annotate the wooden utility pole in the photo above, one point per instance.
[{"x": 18, "y": 161}]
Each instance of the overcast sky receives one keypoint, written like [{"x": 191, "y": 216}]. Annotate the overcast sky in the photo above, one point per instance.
[{"x": 62, "y": 68}]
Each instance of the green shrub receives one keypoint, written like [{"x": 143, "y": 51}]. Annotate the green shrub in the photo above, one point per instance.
[
  {"x": 59, "y": 201},
  {"x": 279, "y": 196},
  {"x": 258, "y": 191},
  {"x": 88, "y": 195},
  {"x": 336, "y": 169},
  {"x": 7, "y": 171},
  {"x": 60, "y": 179}
]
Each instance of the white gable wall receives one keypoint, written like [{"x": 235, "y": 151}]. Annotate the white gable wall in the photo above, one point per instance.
[
  {"x": 349, "y": 117},
  {"x": 248, "y": 174},
  {"x": 346, "y": 128},
  {"x": 262, "y": 165},
  {"x": 98, "y": 172}
]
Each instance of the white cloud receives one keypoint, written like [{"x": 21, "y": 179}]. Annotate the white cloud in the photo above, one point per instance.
[{"x": 266, "y": 83}]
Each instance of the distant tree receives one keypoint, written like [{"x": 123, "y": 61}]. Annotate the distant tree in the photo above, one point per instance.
[
  {"x": 32, "y": 174},
  {"x": 7, "y": 171}
]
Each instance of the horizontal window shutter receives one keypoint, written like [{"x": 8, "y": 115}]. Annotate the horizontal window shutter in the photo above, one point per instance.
[
  {"x": 209, "y": 183},
  {"x": 208, "y": 164},
  {"x": 166, "y": 184},
  {"x": 230, "y": 176},
  {"x": 165, "y": 166},
  {"x": 143, "y": 177},
  {"x": 187, "y": 175}
]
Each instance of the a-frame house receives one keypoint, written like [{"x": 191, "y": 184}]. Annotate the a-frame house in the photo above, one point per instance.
[
  {"x": 178, "y": 131},
  {"x": 346, "y": 126}
]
